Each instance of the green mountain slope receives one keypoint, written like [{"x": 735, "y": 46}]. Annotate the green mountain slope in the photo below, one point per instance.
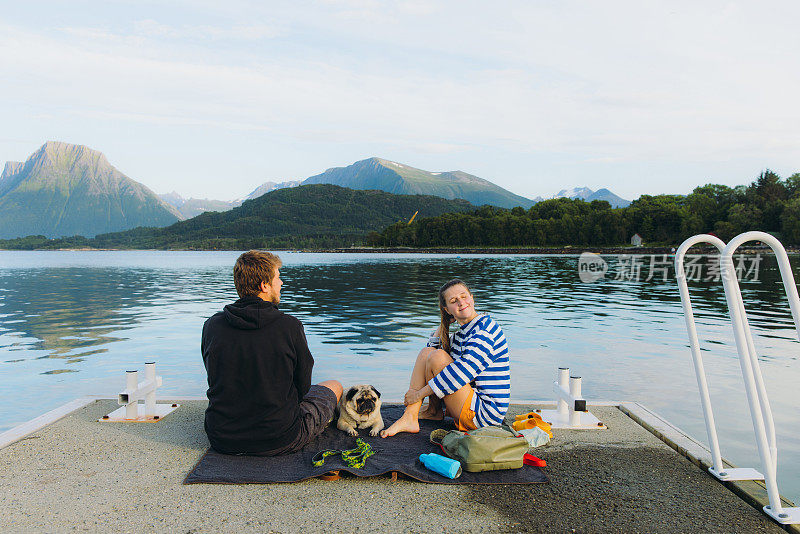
[
  {"x": 313, "y": 215},
  {"x": 65, "y": 189},
  {"x": 384, "y": 175}
]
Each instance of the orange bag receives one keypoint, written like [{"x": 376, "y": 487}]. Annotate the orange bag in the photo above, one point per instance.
[{"x": 531, "y": 420}]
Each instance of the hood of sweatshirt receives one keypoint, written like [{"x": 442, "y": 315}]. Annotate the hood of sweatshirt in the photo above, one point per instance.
[{"x": 251, "y": 313}]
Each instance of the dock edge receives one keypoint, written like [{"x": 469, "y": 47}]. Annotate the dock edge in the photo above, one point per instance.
[{"x": 752, "y": 492}]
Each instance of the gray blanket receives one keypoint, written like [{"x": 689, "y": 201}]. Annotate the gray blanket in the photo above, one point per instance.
[{"x": 398, "y": 453}]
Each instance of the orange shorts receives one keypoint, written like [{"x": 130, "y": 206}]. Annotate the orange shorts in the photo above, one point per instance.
[{"x": 466, "y": 419}]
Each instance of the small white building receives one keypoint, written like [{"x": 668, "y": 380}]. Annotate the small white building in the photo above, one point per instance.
[{"x": 636, "y": 240}]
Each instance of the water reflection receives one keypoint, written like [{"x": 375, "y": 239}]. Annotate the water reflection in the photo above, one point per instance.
[
  {"x": 368, "y": 307},
  {"x": 68, "y": 313},
  {"x": 72, "y": 313},
  {"x": 61, "y": 313}
]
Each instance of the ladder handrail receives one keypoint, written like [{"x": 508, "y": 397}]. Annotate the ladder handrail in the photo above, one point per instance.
[
  {"x": 760, "y": 410},
  {"x": 761, "y": 400},
  {"x": 691, "y": 328},
  {"x": 784, "y": 267}
]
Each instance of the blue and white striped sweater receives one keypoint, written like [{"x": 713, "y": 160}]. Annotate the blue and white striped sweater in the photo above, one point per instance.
[{"x": 480, "y": 356}]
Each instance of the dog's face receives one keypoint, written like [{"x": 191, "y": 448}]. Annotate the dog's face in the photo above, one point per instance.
[
  {"x": 360, "y": 407},
  {"x": 363, "y": 399}
]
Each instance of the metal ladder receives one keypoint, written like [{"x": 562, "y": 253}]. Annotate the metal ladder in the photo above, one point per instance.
[{"x": 760, "y": 410}]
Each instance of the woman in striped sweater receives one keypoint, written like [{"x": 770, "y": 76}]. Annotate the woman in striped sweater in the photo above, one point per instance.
[{"x": 469, "y": 372}]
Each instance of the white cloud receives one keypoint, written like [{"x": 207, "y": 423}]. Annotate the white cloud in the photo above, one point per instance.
[
  {"x": 604, "y": 83},
  {"x": 149, "y": 32},
  {"x": 242, "y": 32}
]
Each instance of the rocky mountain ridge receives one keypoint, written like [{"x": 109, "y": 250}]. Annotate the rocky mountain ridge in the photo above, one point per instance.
[
  {"x": 394, "y": 177},
  {"x": 64, "y": 189}
]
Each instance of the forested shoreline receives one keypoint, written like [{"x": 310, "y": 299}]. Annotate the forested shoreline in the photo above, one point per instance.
[{"x": 769, "y": 204}]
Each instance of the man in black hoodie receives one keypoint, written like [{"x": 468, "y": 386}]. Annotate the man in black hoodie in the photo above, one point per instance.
[{"x": 260, "y": 397}]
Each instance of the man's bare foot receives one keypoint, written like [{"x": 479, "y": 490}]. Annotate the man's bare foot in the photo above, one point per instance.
[
  {"x": 432, "y": 413},
  {"x": 406, "y": 423}
]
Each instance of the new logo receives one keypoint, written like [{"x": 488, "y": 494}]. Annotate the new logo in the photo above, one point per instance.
[{"x": 591, "y": 267}]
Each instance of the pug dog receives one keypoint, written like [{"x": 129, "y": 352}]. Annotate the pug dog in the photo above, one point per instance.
[{"x": 360, "y": 407}]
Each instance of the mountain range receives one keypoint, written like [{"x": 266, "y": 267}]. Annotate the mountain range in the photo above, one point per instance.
[
  {"x": 393, "y": 177},
  {"x": 378, "y": 174},
  {"x": 191, "y": 207},
  {"x": 64, "y": 189}
]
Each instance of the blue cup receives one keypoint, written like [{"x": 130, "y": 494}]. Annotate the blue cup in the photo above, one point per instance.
[{"x": 441, "y": 464}]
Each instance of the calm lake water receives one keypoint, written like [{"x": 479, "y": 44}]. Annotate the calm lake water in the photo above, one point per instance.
[{"x": 71, "y": 323}]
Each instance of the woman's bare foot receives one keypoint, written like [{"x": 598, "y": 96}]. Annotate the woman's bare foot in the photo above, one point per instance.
[
  {"x": 406, "y": 423},
  {"x": 432, "y": 412}
]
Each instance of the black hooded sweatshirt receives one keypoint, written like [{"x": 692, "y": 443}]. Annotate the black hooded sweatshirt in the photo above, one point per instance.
[{"x": 259, "y": 369}]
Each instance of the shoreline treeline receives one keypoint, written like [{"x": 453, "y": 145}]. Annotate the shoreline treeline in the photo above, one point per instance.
[{"x": 769, "y": 204}]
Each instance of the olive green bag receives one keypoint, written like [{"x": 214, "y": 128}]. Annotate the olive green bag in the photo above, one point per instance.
[{"x": 485, "y": 449}]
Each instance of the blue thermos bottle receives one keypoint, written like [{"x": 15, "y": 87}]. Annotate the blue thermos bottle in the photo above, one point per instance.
[{"x": 441, "y": 464}]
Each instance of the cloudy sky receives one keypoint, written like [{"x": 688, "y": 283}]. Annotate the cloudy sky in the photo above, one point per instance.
[{"x": 213, "y": 98}]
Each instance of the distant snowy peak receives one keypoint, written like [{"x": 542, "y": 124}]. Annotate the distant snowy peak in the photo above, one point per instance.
[
  {"x": 584, "y": 193},
  {"x": 173, "y": 199},
  {"x": 192, "y": 207},
  {"x": 575, "y": 192}
]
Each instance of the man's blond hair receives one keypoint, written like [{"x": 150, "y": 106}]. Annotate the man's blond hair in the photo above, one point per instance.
[{"x": 252, "y": 268}]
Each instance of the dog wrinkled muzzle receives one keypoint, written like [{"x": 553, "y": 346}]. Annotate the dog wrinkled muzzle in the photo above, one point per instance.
[{"x": 364, "y": 406}]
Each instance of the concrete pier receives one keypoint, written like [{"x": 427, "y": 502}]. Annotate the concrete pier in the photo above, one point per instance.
[{"x": 78, "y": 474}]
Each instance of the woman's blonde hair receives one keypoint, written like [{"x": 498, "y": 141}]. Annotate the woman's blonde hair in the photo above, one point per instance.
[{"x": 446, "y": 319}]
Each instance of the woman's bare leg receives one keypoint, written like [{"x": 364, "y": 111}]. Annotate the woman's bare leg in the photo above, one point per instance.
[
  {"x": 434, "y": 409},
  {"x": 455, "y": 401},
  {"x": 409, "y": 421}
]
